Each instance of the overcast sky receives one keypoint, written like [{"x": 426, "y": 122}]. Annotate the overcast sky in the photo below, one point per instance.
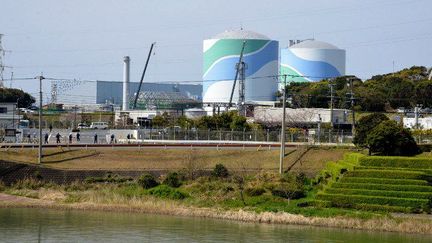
[{"x": 85, "y": 39}]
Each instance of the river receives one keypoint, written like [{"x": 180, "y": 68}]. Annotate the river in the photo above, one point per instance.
[{"x": 46, "y": 225}]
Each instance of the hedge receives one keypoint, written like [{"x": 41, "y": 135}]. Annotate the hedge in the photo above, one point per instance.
[
  {"x": 351, "y": 200},
  {"x": 371, "y": 180},
  {"x": 387, "y": 187},
  {"x": 391, "y": 161},
  {"x": 428, "y": 171},
  {"x": 367, "y": 207},
  {"x": 353, "y": 158},
  {"x": 394, "y": 174},
  {"x": 400, "y": 194}
]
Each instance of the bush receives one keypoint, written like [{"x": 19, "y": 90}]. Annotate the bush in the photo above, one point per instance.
[
  {"x": 289, "y": 191},
  {"x": 390, "y": 138},
  {"x": 383, "y": 187},
  {"x": 381, "y": 161},
  {"x": 341, "y": 200},
  {"x": 382, "y": 193},
  {"x": 167, "y": 192},
  {"x": 172, "y": 179},
  {"x": 147, "y": 181},
  {"x": 220, "y": 171},
  {"x": 254, "y": 191}
]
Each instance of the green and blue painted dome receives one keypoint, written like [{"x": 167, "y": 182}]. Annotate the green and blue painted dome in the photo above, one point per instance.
[{"x": 222, "y": 52}]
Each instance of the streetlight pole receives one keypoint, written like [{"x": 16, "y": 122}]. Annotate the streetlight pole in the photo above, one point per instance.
[
  {"x": 282, "y": 146},
  {"x": 40, "y": 119}
]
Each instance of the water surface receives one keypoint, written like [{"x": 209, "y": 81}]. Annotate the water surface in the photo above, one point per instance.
[{"x": 46, "y": 225}]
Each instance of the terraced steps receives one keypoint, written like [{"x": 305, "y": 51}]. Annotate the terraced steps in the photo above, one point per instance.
[{"x": 369, "y": 183}]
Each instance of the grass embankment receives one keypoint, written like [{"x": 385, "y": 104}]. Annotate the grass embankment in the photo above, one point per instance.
[
  {"x": 207, "y": 197},
  {"x": 174, "y": 159},
  {"x": 392, "y": 184}
]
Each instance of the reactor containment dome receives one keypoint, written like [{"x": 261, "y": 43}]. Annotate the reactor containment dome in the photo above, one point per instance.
[
  {"x": 221, "y": 54},
  {"x": 312, "y": 60}
]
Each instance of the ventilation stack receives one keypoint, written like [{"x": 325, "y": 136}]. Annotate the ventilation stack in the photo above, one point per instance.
[{"x": 126, "y": 79}]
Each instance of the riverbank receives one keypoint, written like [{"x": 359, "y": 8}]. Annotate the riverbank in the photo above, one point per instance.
[{"x": 388, "y": 223}]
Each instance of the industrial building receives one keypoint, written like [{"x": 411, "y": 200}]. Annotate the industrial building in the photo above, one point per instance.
[
  {"x": 301, "y": 116},
  {"x": 102, "y": 92},
  {"x": 221, "y": 55},
  {"x": 312, "y": 60}
]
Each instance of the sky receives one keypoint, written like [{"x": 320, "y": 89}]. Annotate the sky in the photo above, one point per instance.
[{"x": 86, "y": 40}]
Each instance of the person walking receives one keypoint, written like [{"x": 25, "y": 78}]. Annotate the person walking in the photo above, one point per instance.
[
  {"x": 58, "y": 136},
  {"x": 78, "y": 137},
  {"x": 70, "y": 137},
  {"x": 46, "y": 138},
  {"x": 50, "y": 128},
  {"x": 112, "y": 138},
  {"x": 95, "y": 138}
]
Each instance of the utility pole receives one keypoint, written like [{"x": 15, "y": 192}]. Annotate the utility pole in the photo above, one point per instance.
[
  {"x": 40, "y": 118},
  {"x": 352, "y": 103},
  {"x": 75, "y": 116},
  {"x": 331, "y": 85},
  {"x": 282, "y": 146}
]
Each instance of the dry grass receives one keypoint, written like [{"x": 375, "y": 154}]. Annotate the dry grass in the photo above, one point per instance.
[
  {"x": 104, "y": 202},
  {"x": 162, "y": 159}
]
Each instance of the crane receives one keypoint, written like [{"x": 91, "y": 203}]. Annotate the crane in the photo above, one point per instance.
[
  {"x": 239, "y": 68},
  {"x": 143, "y": 74}
]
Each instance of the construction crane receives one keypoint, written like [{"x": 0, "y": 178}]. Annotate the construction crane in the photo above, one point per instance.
[
  {"x": 240, "y": 68},
  {"x": 142, "y": 76}
]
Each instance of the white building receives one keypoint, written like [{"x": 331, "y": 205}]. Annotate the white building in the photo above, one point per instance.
[
  {"x": 273, "y": 115},
  {"x": 9, "y": 115},
  {"x": 424, "y": 123}
]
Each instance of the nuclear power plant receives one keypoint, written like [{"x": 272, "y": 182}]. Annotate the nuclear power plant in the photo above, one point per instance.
[
  {"x": 221, "y": 55},
  {"x": 311, "y": 60},
  {"x": 242, "y": 69}
]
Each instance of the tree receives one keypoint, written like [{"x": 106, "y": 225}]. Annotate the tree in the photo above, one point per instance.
[
  {"x": 365, "y": 125},
  {"x": 13, "y": 95},
  {"x": 389, "y": 138}
]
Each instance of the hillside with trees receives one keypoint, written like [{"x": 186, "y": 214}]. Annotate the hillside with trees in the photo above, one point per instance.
[{"x": 387, "y": 92}]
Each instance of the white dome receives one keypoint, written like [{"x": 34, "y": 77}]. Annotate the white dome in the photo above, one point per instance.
[
  {"x": 240, "y": 34},
  {"x": 313, "y": 44}
]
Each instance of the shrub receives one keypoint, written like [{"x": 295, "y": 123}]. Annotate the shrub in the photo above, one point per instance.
[
  {"x": 147, "y": 181},
  {"x": 383, "y": 181},
  {"x": 383, "y": 187},
  {"x": 381, "y": 161},
  {"x": 289, "y": 191},
  {"x": 172, "y": 179},
  {"x": 393, "y": 174},
  {"x": 220, "y": 171},
  {"x": 254, "y": 191},
  {"x": 382, "y": 193},
  {"x": 341, "y": 200},
  {"x": 167, "y": 192}
]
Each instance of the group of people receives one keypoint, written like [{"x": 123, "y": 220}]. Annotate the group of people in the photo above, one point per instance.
[{"x": 58, "y": 138}]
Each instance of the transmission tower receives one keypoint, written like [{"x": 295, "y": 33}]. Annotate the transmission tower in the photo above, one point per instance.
[{"x": 54, "y": 92}]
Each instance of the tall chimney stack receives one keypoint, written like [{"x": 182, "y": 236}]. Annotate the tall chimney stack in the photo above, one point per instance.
[{"x": 126, "y": 70}]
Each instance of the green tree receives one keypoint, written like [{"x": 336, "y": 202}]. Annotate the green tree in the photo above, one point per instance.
[
  {"x": 13, "y": 95},
  {"x": 365, "y": 125},
  {"x": 390, "y": 138}
]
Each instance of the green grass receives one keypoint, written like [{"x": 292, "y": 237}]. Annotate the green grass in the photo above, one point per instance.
[
  {"x": 388, "y": 184},
  {"x": 340, "y": 199},
  {"x": 385, "y": 187},
  {"x": 383, "y": 181},
  {"x": 365, "y": 192}
]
